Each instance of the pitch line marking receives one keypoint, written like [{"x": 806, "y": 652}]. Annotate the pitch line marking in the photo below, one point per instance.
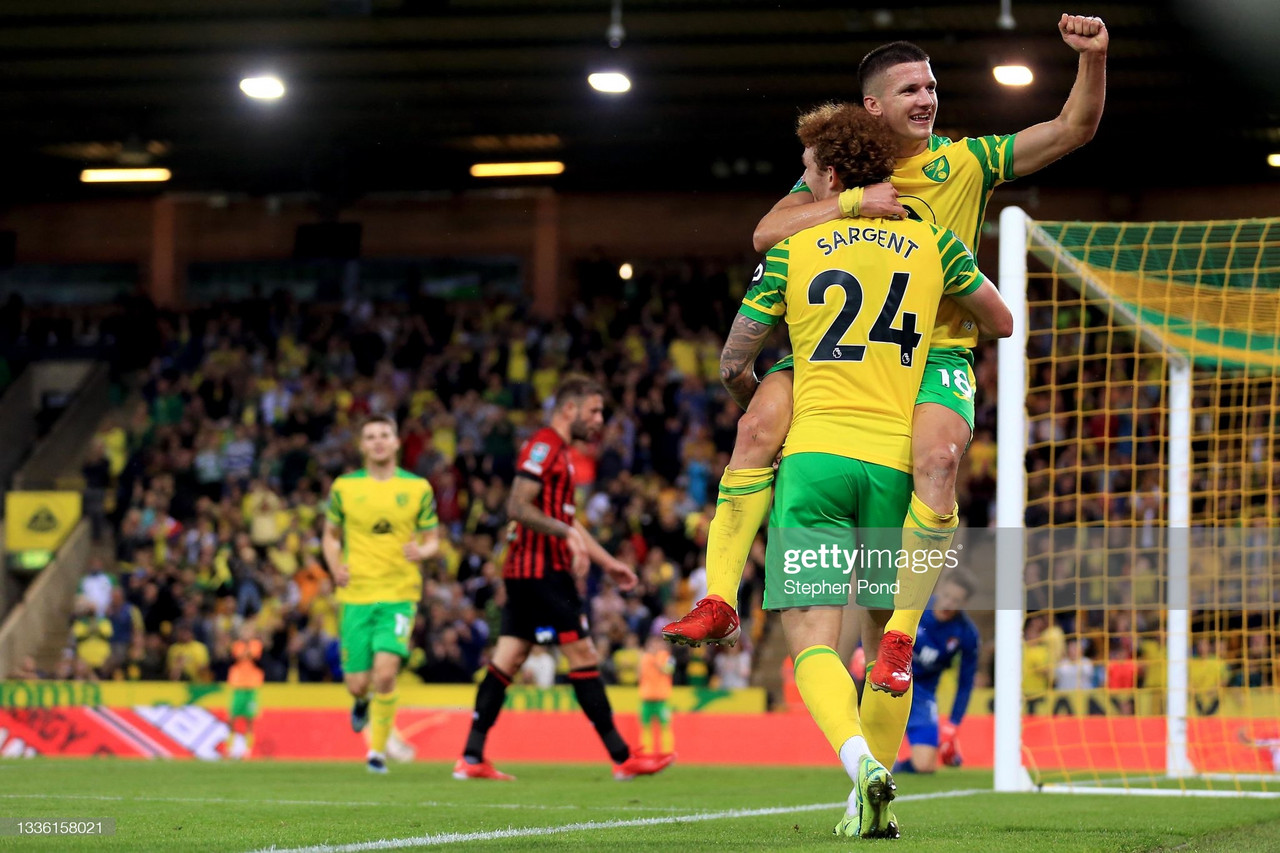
[
  {"x": 443, "y": 838},
  {"x": 379, "y": 804}
]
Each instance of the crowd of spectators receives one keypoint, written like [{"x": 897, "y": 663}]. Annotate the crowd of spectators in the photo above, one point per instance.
[
  {"x": 1098, "y": 426},
  {"x": 1098, "y": 471},
  {"x": 1126, "y": 654},
  {"x": 213, "y": 485}
]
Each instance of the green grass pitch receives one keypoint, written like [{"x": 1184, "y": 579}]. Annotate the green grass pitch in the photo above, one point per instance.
[{"x": 259, "y": 805}]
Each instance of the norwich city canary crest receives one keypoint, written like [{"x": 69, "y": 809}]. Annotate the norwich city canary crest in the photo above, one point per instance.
[
  {"x": 938, "y": 170},
  {"x": 43, "y": 521}
]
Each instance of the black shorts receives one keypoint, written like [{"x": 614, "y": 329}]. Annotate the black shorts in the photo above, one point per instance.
[{"x": 546, "y": 611}]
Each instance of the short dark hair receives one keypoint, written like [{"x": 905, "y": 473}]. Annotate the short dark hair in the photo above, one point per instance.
[
  {"x": 886, "y": 56},
  {"x": 847, "y": 138},
  {"x": 379, "y": 418},
  {"x": 575, "y": 387},
  {"x": 962, "y": 579}
]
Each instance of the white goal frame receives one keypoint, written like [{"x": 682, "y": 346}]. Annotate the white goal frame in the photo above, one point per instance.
[{"x": 1016, "y": 229}]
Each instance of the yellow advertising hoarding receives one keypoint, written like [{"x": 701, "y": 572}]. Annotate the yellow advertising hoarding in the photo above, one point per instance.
[{"x": 124, "y": 694}]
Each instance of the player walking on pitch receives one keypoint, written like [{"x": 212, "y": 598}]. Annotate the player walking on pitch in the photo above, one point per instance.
[
  {"x": 380, "y": 525},
  {"x": 551, "y": 548},
  {"x": 854, "y": 297}
]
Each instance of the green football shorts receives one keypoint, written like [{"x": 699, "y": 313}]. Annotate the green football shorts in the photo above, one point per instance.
[
  {"x": 654, "y": 709},
  {"x": 787, "y": 362},
  {"x": 948, "y": 381},
  {"x": 244, "y": 703},
  {"x": 835, "y": 532},
  {"x": 371, "y": 628}
]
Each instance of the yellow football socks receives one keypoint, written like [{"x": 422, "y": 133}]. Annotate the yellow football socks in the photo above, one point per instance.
[
  {"x": 926, "y": 536},
  {"x": 668, "y": 739},
  {"x": 667, "y": 734},
  {"x": 884, "y": 720},
  {"x": 382, "y": 717},
  {"x": 741, "y": 508},
  {"x": 828, "y": 693}
]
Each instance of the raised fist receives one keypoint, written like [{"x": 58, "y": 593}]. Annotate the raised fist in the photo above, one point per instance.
[{"x": 1083, "y": 33}]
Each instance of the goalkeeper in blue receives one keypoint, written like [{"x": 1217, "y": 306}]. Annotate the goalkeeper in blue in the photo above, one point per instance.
[{"x": 945, "y": 631}]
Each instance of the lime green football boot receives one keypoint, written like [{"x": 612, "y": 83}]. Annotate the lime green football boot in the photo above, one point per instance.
[{"x": 875, "y": 791}]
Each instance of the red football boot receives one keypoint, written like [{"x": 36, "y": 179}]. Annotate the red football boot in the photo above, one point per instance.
[
  {"x": 483, "y": 770},
  {"x": 641, "y": 765},
  {"x": 892, "y": 671},
  {"x": 710, "y": 621}
]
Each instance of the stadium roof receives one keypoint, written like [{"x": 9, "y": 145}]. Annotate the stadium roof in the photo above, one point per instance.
[{"x": 404, "y": 95}]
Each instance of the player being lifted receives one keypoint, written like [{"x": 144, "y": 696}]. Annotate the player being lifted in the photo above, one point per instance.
[
  {"x": 945, "y": 631},
  {"x": 858, "y": 299},
  {"x": 551, "y": 548},
  {"x": 941, "y": 182},
  {"x": 380, "y": 526}
]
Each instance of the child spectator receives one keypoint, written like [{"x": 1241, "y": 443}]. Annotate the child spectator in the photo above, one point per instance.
[{"x": 656, "y": 674}]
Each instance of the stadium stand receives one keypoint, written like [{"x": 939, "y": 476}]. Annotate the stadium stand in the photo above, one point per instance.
[{"x": 212, "y": 479}]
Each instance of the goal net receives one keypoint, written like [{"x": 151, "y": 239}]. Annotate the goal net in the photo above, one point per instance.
[{"x": 1138, "y": 501}]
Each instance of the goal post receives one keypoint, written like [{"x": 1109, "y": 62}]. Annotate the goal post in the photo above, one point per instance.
[
  {"x": 1136, "y": 424},
  {"x": 1011, "y": 487}
]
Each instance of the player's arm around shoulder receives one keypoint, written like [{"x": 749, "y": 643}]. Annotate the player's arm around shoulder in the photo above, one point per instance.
[
  {"x": 792, "y": 214},
  {"x": 1041, "y": 144},
  {"x": 798, "y": 211},
  {"x": 965, "y": 283}
]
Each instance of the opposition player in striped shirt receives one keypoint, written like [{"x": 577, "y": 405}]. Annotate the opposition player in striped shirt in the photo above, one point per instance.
[{"x": 548, "y": 552}]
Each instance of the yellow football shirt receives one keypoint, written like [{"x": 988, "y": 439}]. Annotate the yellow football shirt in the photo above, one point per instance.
[
  {"x": 948, "y": 185},
  {"x": 1207, "y": 674},
  {"x": 859, "y": 297},
  {"x": 378, "y": 518},
  {"x": 1037, "y": 669},
  {"x": 194, "y": 657}
]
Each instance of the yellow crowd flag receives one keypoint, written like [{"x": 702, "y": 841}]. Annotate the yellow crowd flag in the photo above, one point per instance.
[{"x": 39, "y": 521}]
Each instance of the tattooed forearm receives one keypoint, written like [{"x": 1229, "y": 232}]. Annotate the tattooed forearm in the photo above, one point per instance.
[
  {"x": 738, "y": 358},
  {"x": 521, "y": 508}
]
